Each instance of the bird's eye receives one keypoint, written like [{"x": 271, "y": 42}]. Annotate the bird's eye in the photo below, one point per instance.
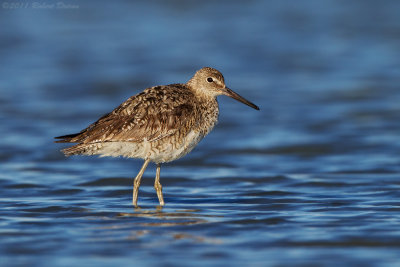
[{"x": 209, "y": 79}]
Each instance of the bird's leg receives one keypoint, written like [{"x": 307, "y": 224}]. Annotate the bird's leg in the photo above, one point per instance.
[
  {"x": 157, "y": 185},
  {"x": 136, "y": 182}
]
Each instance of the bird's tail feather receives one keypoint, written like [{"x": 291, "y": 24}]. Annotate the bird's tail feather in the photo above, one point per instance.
[
  {"x": 66, "y": 138},
  {"x": 78, "y": 149}
]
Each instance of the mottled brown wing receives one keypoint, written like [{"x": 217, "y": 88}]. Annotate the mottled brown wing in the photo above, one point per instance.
[{"x": 155, "y": 113}]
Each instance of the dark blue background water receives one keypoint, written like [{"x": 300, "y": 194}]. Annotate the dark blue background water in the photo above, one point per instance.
[{"x": 311, "y": 179}]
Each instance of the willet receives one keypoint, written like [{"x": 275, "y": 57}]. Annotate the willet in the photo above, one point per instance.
[{"x": 159, "y": 125}]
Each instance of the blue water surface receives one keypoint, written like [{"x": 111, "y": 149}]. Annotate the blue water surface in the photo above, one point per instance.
[{"x": 312, "y": 179}]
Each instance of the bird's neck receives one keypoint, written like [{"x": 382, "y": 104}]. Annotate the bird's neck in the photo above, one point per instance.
[{"x": 209, "y": 111}]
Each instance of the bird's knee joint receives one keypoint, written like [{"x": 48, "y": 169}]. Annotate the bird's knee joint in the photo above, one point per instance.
[
  {"x": 136, "y": 183},
  {"x": 157, "y": 186}
]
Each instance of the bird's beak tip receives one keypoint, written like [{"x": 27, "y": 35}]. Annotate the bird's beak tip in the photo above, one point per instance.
[{"x": 234, "y": 95}]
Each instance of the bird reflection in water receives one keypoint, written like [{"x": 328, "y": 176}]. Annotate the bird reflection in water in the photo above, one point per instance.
[{"x": 183, "y": 217}]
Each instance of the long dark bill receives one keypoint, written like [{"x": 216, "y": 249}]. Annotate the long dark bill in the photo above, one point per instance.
[{"x": 234, "y": 95}]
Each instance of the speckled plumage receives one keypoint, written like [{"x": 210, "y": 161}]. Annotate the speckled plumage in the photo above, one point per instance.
[{"x": 160, "y": 124}]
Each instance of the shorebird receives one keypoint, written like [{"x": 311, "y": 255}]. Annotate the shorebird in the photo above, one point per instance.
[{"x": 160, "y": 124}]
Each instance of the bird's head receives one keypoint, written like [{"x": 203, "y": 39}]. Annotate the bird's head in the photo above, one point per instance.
[{"x": 210, "y": 83}]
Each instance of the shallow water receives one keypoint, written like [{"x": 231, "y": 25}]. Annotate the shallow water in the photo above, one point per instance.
[{"x": 311, "y": 179}]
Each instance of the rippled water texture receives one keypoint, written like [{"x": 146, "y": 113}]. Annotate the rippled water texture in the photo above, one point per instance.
[{"x": 311, "y": 179}]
